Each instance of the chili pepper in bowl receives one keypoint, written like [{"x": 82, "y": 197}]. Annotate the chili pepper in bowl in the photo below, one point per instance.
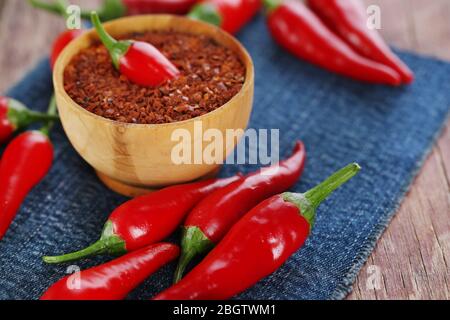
[
  {"x": 15, "y": 116},
  {"x": 348, "y": 18},
  {"x": 257, "y": 245},
  {"x": 230, "y": 15},
  {"x": 139, "y": 61},
  {"x": 113, "y": 9},
  {"x": 25, "y": 162},
  {"x": 214, "y": 216},
  {"x": 146, "y": 219},
  {"x": 113, "y": 280},
  {"x": 296, "y": 28}
]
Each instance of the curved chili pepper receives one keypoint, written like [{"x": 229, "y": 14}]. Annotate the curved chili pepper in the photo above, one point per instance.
[
  {"x": 15, "y": 116},
  {"x": 113, "y": 9},
  {"x": 139, "y": 61},
  {"x": 257, "y": 245},
  {"x": 230, "y": 15},
  {"x": 348, "y": 18},
  {"x": 214, "y": 216},
  {"x": 300, "y": 31},
  {"x": 147, "y": 219},
  {"x": 61, "y": 42},
  {"x": 113, "y": 280},
  {"x": 25, "y": 162}
]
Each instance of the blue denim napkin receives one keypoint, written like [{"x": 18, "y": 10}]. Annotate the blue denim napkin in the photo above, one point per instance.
[{"x": 387, "y": 130}]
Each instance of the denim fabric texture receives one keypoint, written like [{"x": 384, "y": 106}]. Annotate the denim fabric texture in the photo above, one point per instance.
[{"x": 387, "y": 130}]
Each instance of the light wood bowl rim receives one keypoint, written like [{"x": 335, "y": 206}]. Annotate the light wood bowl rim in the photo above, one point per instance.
[{"x": 58, "y": 74}]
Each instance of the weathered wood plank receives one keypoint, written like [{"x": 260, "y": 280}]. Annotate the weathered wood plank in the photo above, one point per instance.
[
  {"x": 29, "y": 35},
  {"x": 413, "y": 255}
]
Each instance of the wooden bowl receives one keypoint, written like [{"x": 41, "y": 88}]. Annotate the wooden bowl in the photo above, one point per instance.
[{"x": 133, "y": 159}]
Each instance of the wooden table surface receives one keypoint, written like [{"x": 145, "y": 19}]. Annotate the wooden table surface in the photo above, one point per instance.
[{"x": 412, "y": 258}]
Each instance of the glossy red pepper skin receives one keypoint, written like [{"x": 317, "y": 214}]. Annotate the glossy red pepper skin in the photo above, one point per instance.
[
  {"x": 25, "y": 162},
  {"x": 217, "y": 213},
  {"x": 147, "y": 219},
  {"x": 113, "y": 280},
  {"x": 349, "y": 19},
  {"x": 300, "y": 31},
  {"x": 254, "y": 248},
  {"x": 6, "y": 127},
  {"x": 214, "y": 216},
  {"x": 230, "y": 15},
  {"x": 61, "y": 42},
  {"x": 151, "y": 218},
  {"x": 147, "y": 66},
  {"x": 139, "y": 61},
  {"x": 158, "y": 6},
  {"x": 257, "y": 245},
  {"x": 113, "y": 9}
]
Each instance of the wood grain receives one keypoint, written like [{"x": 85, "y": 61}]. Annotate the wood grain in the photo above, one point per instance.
[{"x": 413, "y": 255}]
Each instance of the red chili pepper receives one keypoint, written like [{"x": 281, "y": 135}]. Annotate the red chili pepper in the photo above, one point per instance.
[
  {"x": 348, "y": 18},
  {"x": 230, "y": 15},
  {"x": 61, "y": 42},
  {"x": 139, "y": 61},
  {"x": 147, "y": 219},
  {"x": 257, "y": 245},
  {"x": 214, "y": 216},
  {"x": 113, "y": 9},
  {"x": 113, "y": 280},
  {"x": 300, "y": 31},
  {"x": 15, "y": 116},
  {"x": 25, "y": 162},
  {"x": 158, "y": 6}
]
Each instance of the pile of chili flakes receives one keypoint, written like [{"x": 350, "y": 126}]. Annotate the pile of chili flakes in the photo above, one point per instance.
[{"x": 210, "y": 76}]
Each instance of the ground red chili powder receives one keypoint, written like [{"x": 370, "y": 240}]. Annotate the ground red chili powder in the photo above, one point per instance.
[{"x": 210, "y": 76}]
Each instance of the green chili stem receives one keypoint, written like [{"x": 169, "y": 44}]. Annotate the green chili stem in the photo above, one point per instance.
[
  {"x": 183, "y": 262},
  {"x": 53, "y": 7},
  {"x": 193, "y": 242},
  {"x": 109, "y": 243},
  {"x": 117, "y": 49},
  {"x": 39, "y": 116},
  {"x": 106, "y": 39},
  {"x": 52, "y": 111},
  {"x": 63, "y": 4},
  {"x": 99, "y": 247},
  {"x": 319, "y": 193},
  {"x": 59, "y": 6},
  {"x": 309, "y": 202}
]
